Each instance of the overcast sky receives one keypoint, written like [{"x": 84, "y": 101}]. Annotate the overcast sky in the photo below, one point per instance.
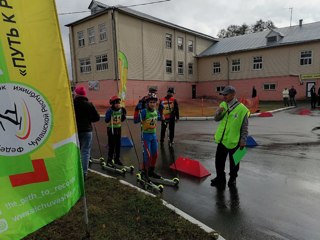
[{"x": 206, "y": 16}]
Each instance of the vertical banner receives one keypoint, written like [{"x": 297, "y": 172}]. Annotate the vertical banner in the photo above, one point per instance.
[
  {"x": 40, "y": 173},
  {"x": 123, "y": 71}
]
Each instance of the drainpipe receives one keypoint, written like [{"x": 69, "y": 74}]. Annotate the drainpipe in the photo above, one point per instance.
[
  {"x": 228, "y": 68},
  {"x": 115, "y": 47},
  {"x": 73, "y": 57}
]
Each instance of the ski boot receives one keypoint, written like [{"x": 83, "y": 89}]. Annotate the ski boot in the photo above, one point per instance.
[
  {"x": 109, "y": 166},
  {"x": 147, "y": 184},
  {"x": 119, "y": 164}
]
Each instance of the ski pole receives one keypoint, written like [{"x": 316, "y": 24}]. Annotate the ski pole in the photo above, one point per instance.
[{"x": 98, "y": 141}]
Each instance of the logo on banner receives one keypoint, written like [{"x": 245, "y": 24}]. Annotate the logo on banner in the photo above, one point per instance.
[{"x": 25, "y": 119}]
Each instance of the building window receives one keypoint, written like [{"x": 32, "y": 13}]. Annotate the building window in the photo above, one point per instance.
[
  {"x": 257, "y": 63},
  {"x": 102, "y": 32},
  {"x": 306, "y": 58},
  {"x": 180, "y": 68},
  {"x": 81, "y": 39},
  {"x": 168, "y": 40},
  {"x": 219, "y": 88},
  {"x": 190, "y": 68},
  {"x": 168, "y": 66},
  {"x": 91, "y": 37},
  {"x": 190, "y": 46},
  {"x": 216, "y": 67},
  {"x": 180, "y": 43},
  {"x": 269, "y": 86},
  {"x": 272, "y": 39},
  {"x": 85, "y": 65},
  {"x": 102, "y": 62},
  {"x": 235, "y": 65}
]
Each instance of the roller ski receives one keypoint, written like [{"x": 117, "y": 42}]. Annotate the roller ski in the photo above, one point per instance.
[
  {"x": 120, "y": 165},
  {"x": 147, "y": 184},
  {"x": 96, "y": 160},
  {"x": 109, "y": 166},
  {"x": 166, "y": 181}
]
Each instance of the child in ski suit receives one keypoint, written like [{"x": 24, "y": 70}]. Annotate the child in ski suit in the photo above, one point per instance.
[
  {"x": 148, "y": 118},
  {"x": 114, "y": 116}
]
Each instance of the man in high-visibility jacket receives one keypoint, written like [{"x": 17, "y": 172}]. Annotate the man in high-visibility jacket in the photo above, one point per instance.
[
  {"x": 231, "y": 134},
  {"x": 169, "y": 108}
]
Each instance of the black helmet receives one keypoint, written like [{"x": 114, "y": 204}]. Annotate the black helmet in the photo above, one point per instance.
[
  {"x": 152, "y": 90},
  {"x": 152, "y": 96}
]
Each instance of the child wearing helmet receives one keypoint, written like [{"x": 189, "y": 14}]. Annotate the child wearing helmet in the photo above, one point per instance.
[
  {"x": 170, "y": 109},
  {"x": 113, "y": 117},
  {"x": 148, "y": 118}
]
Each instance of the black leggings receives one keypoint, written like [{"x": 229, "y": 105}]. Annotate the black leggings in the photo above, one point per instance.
[{"x": 114, "y": 142}]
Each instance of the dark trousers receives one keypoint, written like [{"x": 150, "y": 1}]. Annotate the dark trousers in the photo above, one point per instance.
[
  {"x": 286, "y": 101},
  {"x": 164, "y": 125},
  {"x": 293, "y": 101},
  {"x": 313, "y": 102},
  {"x": 221, "y": 157},
  {"x": 114, "y": 142}
]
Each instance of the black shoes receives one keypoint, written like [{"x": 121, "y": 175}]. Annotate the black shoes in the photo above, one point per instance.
[
  {"x": 219, "y": 183},
  {"x": 232, "y": 182},
  {"x": 118, "y": 162},
  {"x": 153, "y": 174}
]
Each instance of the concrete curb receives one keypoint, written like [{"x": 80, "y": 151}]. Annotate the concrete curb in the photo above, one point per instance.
[{"x": 165, "y": 203}]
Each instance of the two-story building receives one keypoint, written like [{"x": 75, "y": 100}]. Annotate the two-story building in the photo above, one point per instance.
[
  {"x": 159, "y": 53},
  {"x": 163, "y": 55},
  {"x": 269, "y": 60}
]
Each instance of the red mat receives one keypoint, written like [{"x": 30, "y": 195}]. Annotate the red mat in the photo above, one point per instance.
[
  {"x": 265, "y": 114},
  {"x": 304, "y": 112},
  {"x": 189, "y": 166}
]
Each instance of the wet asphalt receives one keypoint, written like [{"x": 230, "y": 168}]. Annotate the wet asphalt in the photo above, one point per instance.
[{"x": 278, "y": 188}]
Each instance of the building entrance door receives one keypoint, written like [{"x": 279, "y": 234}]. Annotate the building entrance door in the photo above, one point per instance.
[
  {"x": 194, "y": 91},
  {"x": 308, "y": 87}
]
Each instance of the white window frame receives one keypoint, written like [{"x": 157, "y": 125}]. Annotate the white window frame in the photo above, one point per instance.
[
  {"x": 306, "y": 57},
  {"x": 103, "y": 32},
  {"x": 190, "y": 46},
  {"x": 81, "y": 41},
  {"x": 180, "y": 43},
  {"x": 190, "y": 68},
  {"x": 219, "y": 88},
  {"x": 180, "y": 68},
  {"x": 168, "y": 66},
  {"x": 235, "y": 65},
  {"x": 168, "y": 40},
  {"x": 216, "y": 67},
  {"x": 91, "y": 36},
  {"x": 269, "y": 86},
  {"x": 85, "y": 65},
  {"x": 102, "y": 62},
  {"x": 257, "y": 63}
]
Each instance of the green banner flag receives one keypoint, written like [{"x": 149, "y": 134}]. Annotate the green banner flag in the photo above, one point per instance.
[
  {"x": 238, "y": 155},
  {"x": 40, "y": 174}
]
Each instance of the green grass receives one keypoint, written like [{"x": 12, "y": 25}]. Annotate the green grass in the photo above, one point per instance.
[{"x": 117, "y": 211}]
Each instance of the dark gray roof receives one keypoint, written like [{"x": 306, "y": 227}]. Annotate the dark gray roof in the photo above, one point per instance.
[
  {"x": 143, "y": 16},
  {"x": 288, "y": 36}
]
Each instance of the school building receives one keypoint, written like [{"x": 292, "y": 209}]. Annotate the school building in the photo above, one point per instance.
[{"x": 162, "y": 54}]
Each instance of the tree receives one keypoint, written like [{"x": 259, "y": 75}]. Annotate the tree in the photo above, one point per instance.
[
  {"x": 236, "y": 30},
  {"x": 260, "y": 26}
]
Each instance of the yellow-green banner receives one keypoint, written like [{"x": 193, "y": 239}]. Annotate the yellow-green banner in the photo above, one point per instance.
[
  {"x": 40, "y": 173},
  {"x": 123, "y": 70}
]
